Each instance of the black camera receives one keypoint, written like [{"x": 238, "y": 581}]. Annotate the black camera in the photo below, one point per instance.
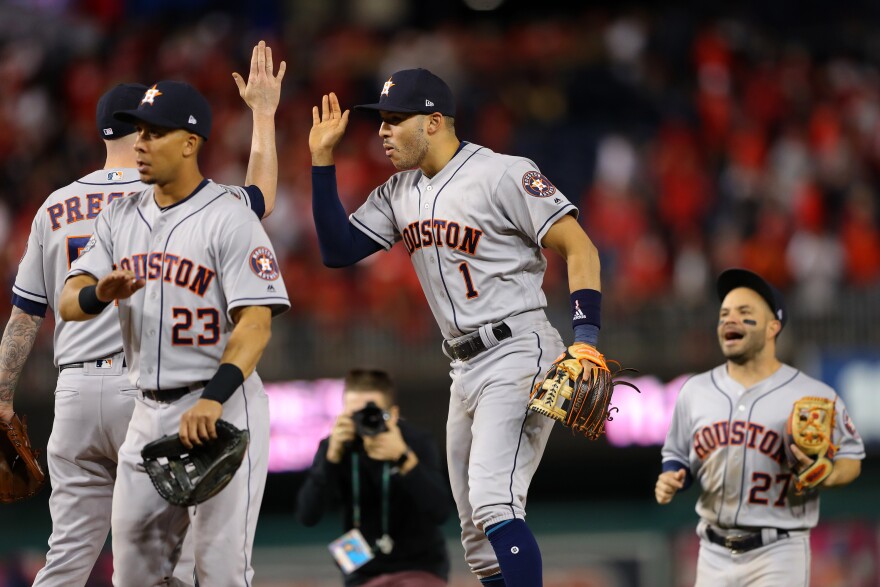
[{"x": 370, "y": 420}]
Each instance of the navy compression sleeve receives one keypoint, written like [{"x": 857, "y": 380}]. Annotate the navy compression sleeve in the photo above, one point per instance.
[{"x": 340, "y": 242}]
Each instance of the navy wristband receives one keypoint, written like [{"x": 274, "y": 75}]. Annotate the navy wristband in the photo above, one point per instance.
[
  {"x": 223, "y": 384},
  {"x": 89, "y": 302},
  {"x": 586, "y": 308},
  {"x": 587, "y": 333}
]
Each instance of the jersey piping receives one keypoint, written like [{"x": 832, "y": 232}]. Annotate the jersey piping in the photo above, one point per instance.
[
  {"x": 436, "y": 251},
  {"x": 162, "y": 287},
  {"x": 745, "y": 444}
]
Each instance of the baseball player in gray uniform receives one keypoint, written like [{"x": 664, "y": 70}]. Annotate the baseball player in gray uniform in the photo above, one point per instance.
[
  {"x": 727, "y": 433},
  {"x": 197, "y": 284},
  {"x": 94, "y": 397},
  {"x": 473, "y": 222}
]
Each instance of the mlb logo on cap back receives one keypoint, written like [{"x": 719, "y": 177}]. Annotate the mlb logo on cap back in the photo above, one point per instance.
[
  {"x": 172, "y": 104},
  {"x": 121, "y": 97},
  {"x": 415, "y": 91}
]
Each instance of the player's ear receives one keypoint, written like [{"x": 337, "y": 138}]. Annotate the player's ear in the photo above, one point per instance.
[
  {"x": 435, "y": 122},
  {"x": 192, "y": 144},
  {"x": 774, "y": 327}
]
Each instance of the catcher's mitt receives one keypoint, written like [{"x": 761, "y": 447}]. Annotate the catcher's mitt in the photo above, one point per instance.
[
  {"x": 20, "y": 474},
  {"x": 186, "y": 476},
  {"x": 577, "y": 390},
  {"x": 809, "y": 427}
]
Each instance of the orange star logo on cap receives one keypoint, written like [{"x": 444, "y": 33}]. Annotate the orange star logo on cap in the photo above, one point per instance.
[
  {"x": 151, "y": 95},
  {"x": 386, "y": 87}
]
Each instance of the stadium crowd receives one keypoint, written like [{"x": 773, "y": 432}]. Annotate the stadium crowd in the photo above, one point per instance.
[{"x": 690, "y": 142}]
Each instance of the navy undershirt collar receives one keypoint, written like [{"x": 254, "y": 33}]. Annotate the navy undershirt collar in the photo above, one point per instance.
[{"x": 194, "y": 192}]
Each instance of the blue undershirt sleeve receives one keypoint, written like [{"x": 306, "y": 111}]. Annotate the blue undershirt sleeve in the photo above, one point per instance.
[{"x": 341, "y": 243}]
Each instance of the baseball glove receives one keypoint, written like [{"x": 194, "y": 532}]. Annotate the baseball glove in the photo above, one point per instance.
[
  {"x": 20, "y": 474},
  {"x": 809, "y": 427},
  {"x": 186, "y": 477},
  {"x": 576, "y": 390}
]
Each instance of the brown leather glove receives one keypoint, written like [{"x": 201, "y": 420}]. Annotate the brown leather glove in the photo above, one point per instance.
[{"x": 20, "y": 474}]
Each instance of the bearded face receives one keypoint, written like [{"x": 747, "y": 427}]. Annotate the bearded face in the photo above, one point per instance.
[{"x": 745, "y": 325}]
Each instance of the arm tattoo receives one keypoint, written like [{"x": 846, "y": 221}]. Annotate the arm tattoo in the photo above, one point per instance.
[{"x": 18, "y": 340}]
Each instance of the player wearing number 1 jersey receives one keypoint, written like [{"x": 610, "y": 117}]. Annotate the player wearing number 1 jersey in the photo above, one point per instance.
[
  {"x": 473, "y": 223},
  {"x": 94, "y": 398},
  {"x": 727, "y": 433}
]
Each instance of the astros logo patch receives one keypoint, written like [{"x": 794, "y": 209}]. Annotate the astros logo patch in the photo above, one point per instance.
[
  {"x": 386, "y": 87},
  {"x": 151, "y": 95},
  {"x": 537, "y": 185},
  {"x": 263, "y": 264}
]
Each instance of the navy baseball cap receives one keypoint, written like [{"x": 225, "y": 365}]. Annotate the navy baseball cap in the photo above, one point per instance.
[
  {"x": 121, "y": 97},
  {"x": 414, "y": 90},
  {"x": 734, "y": 278},
  {"x": 172, "y": 104}
]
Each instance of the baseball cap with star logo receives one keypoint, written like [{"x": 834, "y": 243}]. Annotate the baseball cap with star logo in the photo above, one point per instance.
[
  {"x": 171, "y": 104},
  {"x": 416, "y": 91}
]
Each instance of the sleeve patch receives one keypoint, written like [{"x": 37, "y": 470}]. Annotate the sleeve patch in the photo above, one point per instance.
[
  {"x": 263, "y": 264},
  {"x": 537, "y": 185}
]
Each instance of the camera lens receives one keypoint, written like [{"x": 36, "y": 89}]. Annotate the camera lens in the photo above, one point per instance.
[{"x": 370, "y": 420}]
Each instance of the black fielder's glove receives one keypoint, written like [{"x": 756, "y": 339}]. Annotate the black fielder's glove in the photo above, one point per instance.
[
  {"x": 577, "y": 389},
  {"x": 188, "y": 476}
]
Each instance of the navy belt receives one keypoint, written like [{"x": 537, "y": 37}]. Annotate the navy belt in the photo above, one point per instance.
[
  {"x": 469, "y": 346},
  {"x": 98, "y": 363},
  {"x": 738, "y": 544},
  {"x": 167, "y": 396}
]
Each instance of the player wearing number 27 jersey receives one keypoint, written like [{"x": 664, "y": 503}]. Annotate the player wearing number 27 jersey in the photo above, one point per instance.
[{"x": 727, "y": 435}]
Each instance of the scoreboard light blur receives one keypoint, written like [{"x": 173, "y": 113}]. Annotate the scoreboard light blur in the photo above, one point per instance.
[
  {"x": 642, "y": 419},
  {"x": 301, "y": 413}
]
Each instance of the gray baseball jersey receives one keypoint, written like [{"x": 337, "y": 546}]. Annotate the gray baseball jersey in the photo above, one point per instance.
[
  {"x": 478, "y": 258},
  {"x": 93, "y": 398},
  {"x": 730, "y": 438},
  {"x": 473, "y": 233},
  {"x": 201, "y": 258},
  {"x": 200, "y": 261},
  {"x": 60, "y": 230}
]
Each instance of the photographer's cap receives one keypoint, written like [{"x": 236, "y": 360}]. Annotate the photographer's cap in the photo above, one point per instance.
[
  {"x": 121, "y": 97},
  {"x": 734, "y": 278},
  {"x": 414, "y": 90},
  {"x": 172, "y": 104}
]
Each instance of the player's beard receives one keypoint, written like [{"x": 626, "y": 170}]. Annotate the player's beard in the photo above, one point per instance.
[
  {"x": 412, "y": 153},
  {"x": 751, "y": 348}
]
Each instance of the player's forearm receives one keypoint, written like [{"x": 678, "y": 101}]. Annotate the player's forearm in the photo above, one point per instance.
[
  {"x": 845, "y": 472},
  {"x": 569, "y": 240},
  {"x": 341, "y": 244},
  {"x": 18, "y": 340},
  {"x": 583, "y": 269},
  {"x": 262, "y": 168},
  {"x": 248, "y": 339},
  {"x": 69, "y": 306}
]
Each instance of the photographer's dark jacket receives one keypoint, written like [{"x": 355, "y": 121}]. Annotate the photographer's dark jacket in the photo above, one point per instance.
[{"x": 419, "y": 501}]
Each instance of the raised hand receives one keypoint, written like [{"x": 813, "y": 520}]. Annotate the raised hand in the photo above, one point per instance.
[
  {"x": 262, "y": 92},
  {"x": 328, "y": 126}
]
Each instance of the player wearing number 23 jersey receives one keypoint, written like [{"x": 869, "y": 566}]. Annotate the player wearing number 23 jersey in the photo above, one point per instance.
[
  {"x": 727, "y": 435},
  {"x": 93, "y": 397}
]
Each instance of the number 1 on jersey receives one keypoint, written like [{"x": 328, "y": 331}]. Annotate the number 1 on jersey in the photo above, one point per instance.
[{"x": 468, "y": 282}]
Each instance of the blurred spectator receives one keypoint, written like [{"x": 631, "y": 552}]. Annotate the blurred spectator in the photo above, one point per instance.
[{"x": 721, "y": 146}]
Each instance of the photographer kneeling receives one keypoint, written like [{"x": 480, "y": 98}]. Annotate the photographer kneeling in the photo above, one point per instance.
[{"x": 387, "y": 475}]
